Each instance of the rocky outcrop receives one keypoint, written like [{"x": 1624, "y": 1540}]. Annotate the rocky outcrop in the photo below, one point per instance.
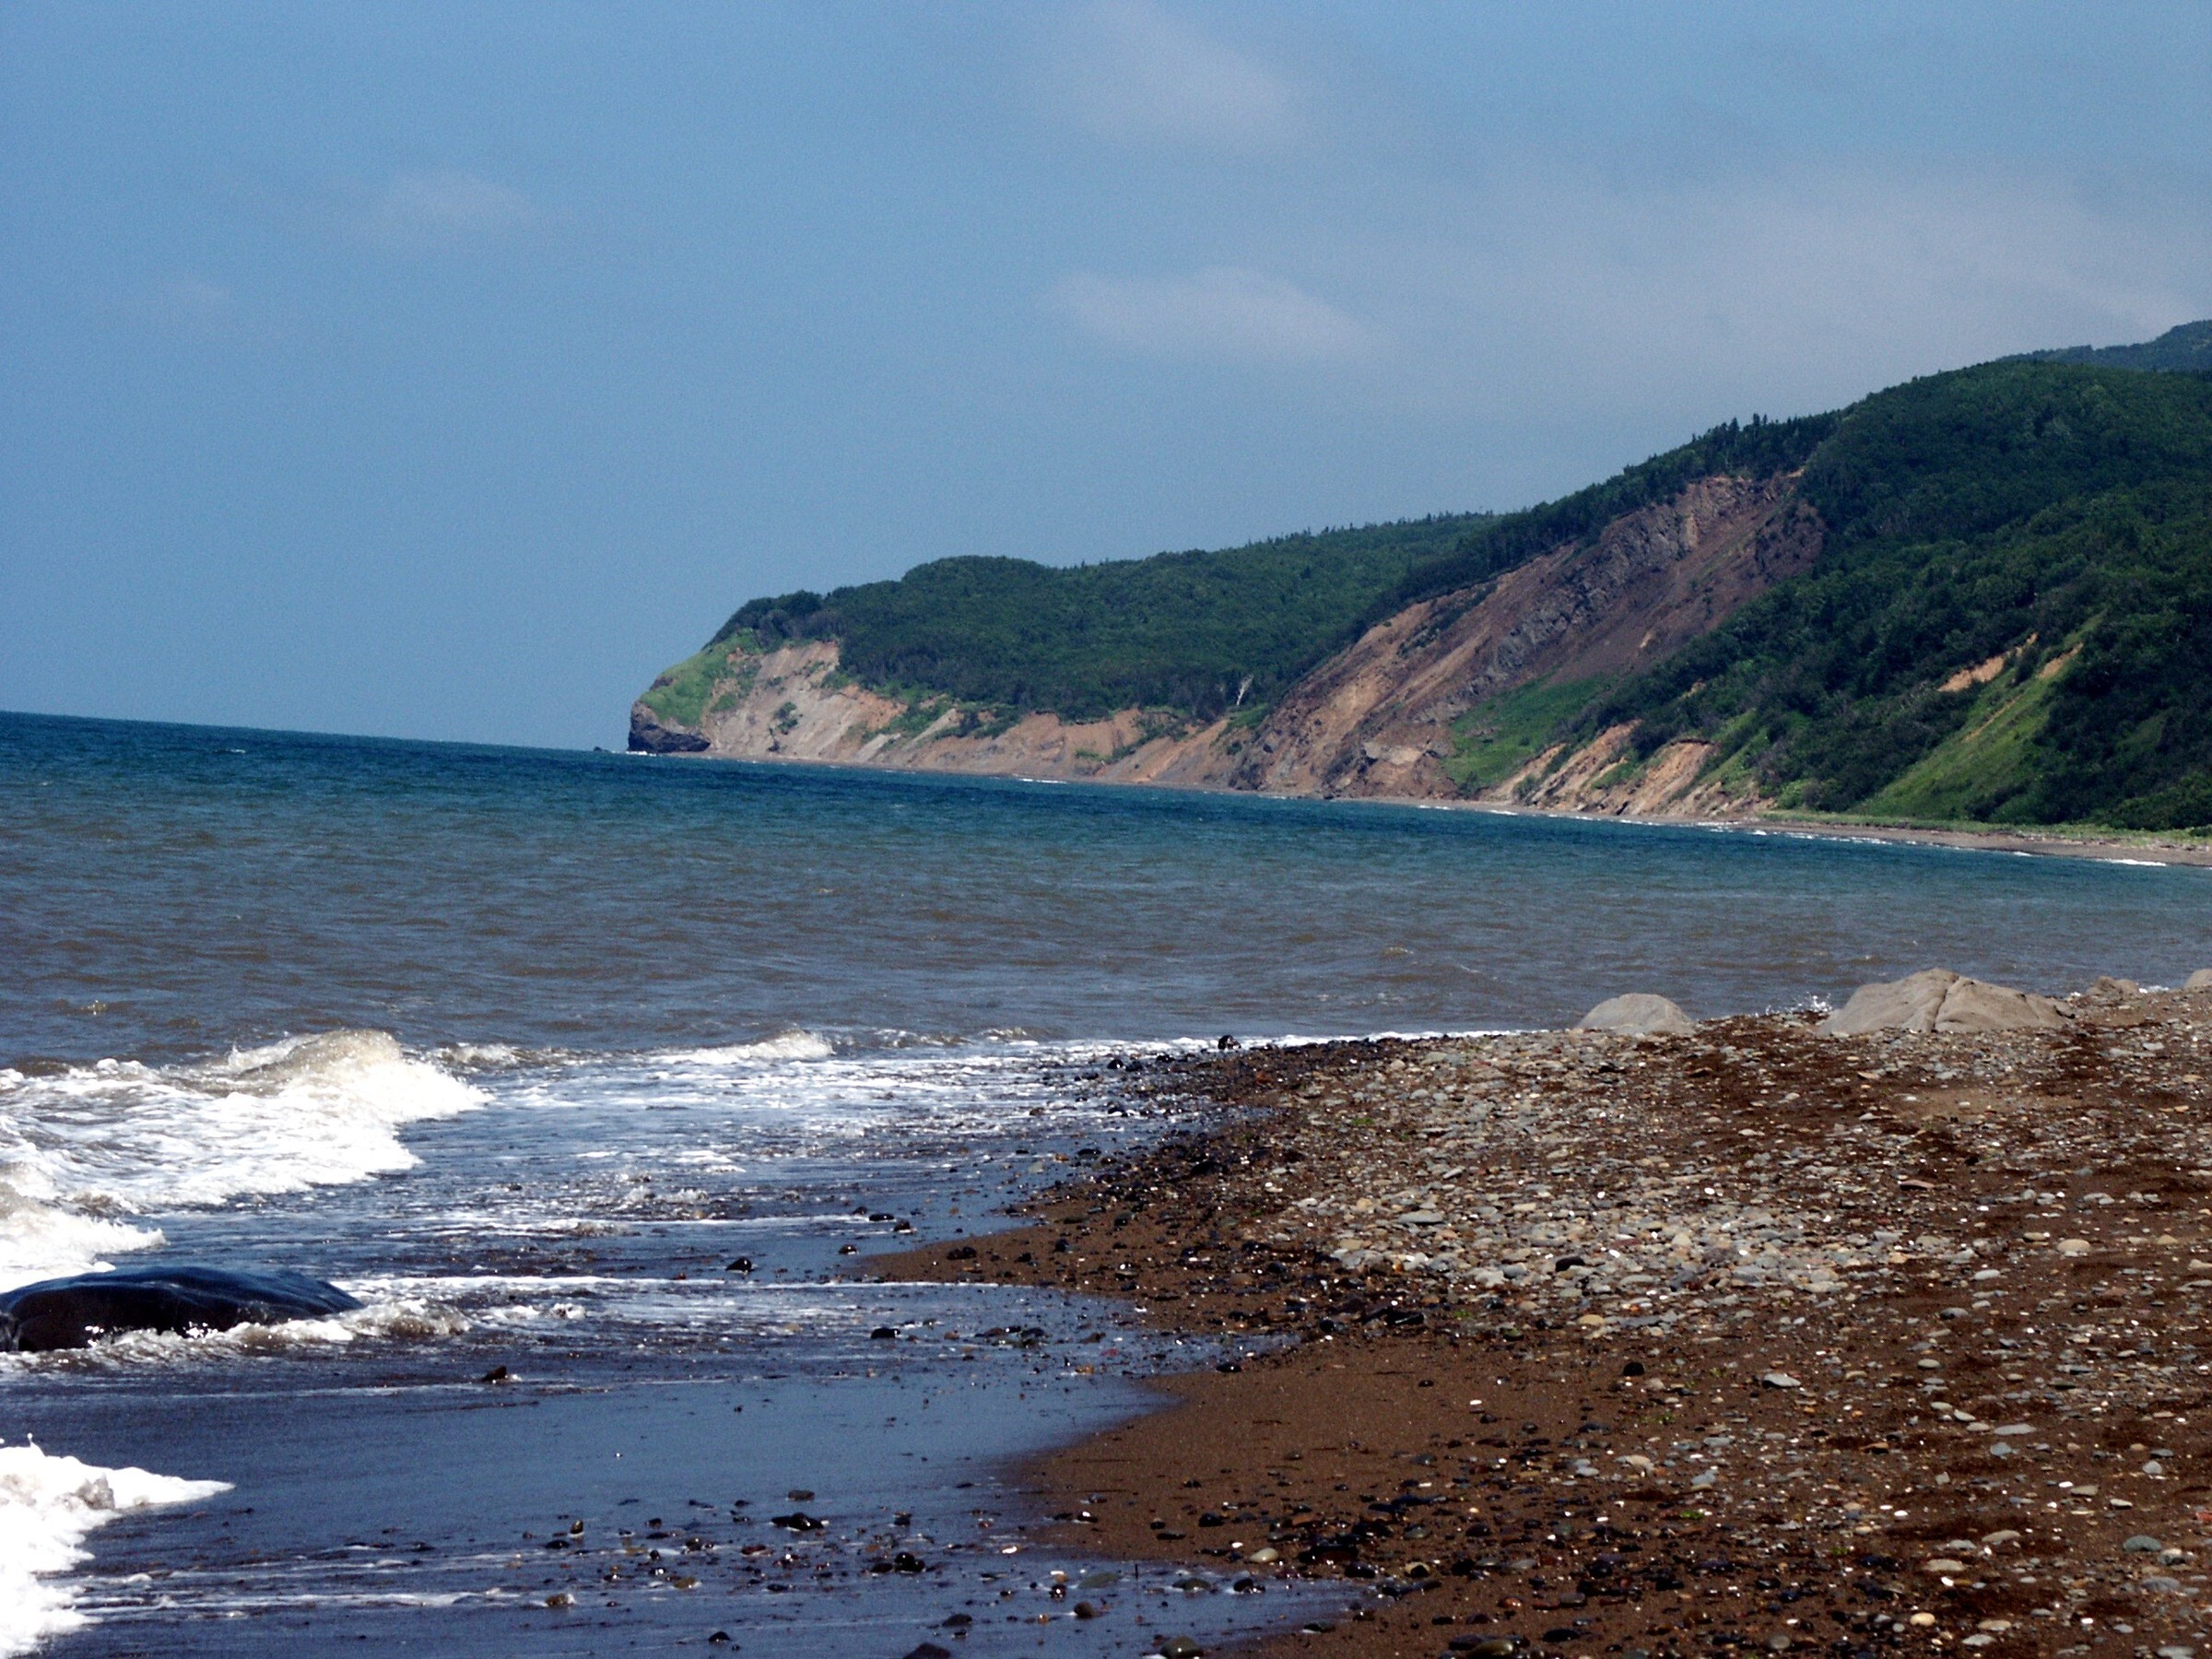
[
  {"x": 180, "y": 1300},
  {"x": 1939, "y": 1000},
  {"x": 649, "y": 735}
]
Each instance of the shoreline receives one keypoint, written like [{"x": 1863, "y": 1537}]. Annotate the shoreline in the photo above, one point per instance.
[
  {"x": 2029, "y": 841},
  {"x": 1567, "y": 1367}
]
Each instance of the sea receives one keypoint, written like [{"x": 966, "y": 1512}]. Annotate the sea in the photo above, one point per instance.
[{"x": 599, "y": 1081}]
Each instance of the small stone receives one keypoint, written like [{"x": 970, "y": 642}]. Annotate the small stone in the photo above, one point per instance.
[
  {"x": 2073, "y": 1247},
  {"x": 1921, "y": 1621},
  {"x": 1779, "y": 1643},
  {"x": 1775, "y": 1379},
  {"x": 1943, "y": 1564},
  {"x": 1265, "y": 1557},
  {"x": 1178, "y": 1647},
  {"x": 560, "y": 1598},
  {"x": 929, "y": 1650},
  {"x": 2143, "y": 1544},
  {"x": 2003, "y": 1535},
  {"x": 2154, "y": 1468}
]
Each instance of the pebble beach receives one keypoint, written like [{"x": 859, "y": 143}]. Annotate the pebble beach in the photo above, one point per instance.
[{"x": 1740, "y": 1335}]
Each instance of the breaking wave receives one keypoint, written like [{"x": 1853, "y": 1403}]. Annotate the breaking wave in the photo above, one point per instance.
[
  {"x": 48, "y": 1505},
  {"x": 86, "y": 1150}
]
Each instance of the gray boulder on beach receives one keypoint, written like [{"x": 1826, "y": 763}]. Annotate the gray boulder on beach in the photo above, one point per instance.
[
  {"x": 1638, "y": 1014},
  {"x": 2199, "y": 981},
  {"x": 1939, "y": 1000}
]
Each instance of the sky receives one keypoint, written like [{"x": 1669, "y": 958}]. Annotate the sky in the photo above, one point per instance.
[{"x": 443, "y": 371}]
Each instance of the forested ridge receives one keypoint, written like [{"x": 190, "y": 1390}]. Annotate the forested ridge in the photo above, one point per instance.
[
  {"x": 1198, "y": 632},
  {"x": 2057, "y": 517},
  {"x": 2009, "y": 620}
]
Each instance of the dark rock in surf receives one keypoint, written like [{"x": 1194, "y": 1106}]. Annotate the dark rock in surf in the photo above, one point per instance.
[{"x": 187, "y": 1301}]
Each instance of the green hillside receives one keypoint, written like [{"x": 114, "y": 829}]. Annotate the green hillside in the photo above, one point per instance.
[
  {"x": 2047, "y": 523},
  {"x": 2010, "y": 620},
  {"x": 1197, "y": 632},
  {"x": 2186, "y": 349}
]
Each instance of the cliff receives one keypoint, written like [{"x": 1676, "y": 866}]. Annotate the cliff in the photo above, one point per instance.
[{"x": 1982, "y": 596}]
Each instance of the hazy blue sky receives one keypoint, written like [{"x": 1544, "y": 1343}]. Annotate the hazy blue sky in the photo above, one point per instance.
[{"x": 448, "y": 370}]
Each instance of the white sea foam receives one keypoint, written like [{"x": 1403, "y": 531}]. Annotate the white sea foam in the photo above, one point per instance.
[
  {"x": 388, "y": 1319},
  {"x": 48, "y": 1505},
  {"x": 84, "y": 1150},
  {"x": 785, "y": 1045}
]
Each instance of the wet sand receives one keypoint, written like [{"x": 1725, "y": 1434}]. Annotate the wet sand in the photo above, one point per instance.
[{"x": 1752, "y": 1340}]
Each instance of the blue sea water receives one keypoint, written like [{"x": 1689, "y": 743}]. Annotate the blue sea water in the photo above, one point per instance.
[{"x": 524, "y": 1048}]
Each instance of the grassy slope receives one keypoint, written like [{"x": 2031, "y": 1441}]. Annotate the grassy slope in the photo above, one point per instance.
[{"x": 1497, "y": 738}]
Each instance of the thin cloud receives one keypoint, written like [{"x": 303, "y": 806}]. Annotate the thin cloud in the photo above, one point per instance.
[
  {"x": 431, "y": 212},
  {"x": 1130, "y": 70},
  {"x": 1811, "y": 286},
  {"x": 1220, "y": 313}
]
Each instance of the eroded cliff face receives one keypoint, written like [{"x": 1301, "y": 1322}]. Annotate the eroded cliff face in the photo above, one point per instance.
[
  {"x": 1396, "y": 714},
  {"x": 1387, "y": 716},
  {"x": 792, "y": 703}
]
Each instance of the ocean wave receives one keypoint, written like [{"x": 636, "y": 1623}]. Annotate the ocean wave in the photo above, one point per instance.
[
  {"x": 406, "y": 1318},
  {"x": 48, "y": 1506},
  {"x": 86, "y": 1148},
  {"x": 785, "y": 1045}
]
